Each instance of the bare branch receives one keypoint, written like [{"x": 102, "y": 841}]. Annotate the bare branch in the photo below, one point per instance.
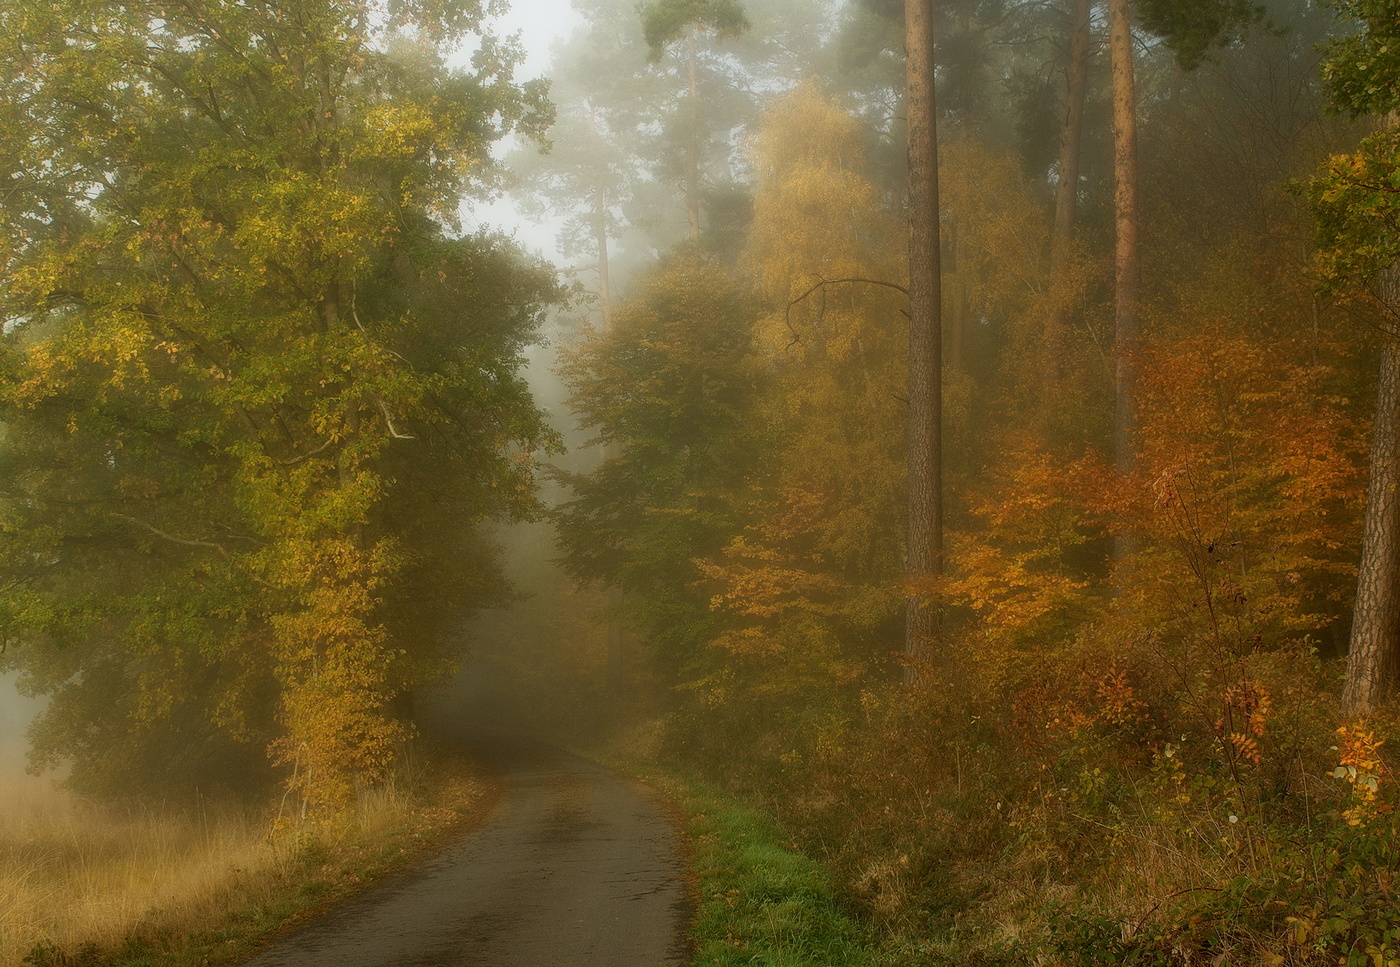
[
  {"x": 172, "y": 538},
  {"x": 192, "y": 543},
  {"x": 306, "y": 456},
  {"x": 389, "y": 421},
  {"x": 787, "y": 313}
]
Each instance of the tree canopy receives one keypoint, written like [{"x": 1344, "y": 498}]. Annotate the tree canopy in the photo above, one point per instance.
[{"x": 252, "y": 371}]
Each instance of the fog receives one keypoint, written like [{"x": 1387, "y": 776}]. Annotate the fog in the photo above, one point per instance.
[
  {"x": 16, "y": 712},
  {"x": 951, "y": 438}
]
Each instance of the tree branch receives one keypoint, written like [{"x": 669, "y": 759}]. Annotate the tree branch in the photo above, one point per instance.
[
  {"x": 172, "y": 538},
  {"x": 787, "y": 313},
  {"x": 306, "y": 456},
  {"x": 389, "y": 421},
  {"x": 191, "y": 543}
]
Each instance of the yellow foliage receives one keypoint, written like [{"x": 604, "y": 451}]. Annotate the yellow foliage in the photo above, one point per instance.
[
  {"x": 818, "y": 218},
  {"x": 1364, "y": 770}
]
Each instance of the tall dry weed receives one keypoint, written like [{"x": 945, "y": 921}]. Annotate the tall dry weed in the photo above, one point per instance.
[{"x": 77, "y": 875}]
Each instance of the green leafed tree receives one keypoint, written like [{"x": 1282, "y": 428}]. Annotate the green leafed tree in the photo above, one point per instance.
[
  {"x": 589, "y": 175},
  {"x": 669, "y": 389},
  {"x": 258, "y": 388},
  {"x": 665, "y": 23}
]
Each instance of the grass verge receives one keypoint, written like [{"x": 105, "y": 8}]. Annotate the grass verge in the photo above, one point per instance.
[
  {"x": 759, "y": 901},
  {"x": 164, "y": 887}
]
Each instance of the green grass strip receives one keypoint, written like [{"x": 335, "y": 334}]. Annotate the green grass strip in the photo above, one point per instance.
[{"x": 760, "y": 902}]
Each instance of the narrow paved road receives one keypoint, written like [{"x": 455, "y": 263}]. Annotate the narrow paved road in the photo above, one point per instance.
[{"x": 577, "y": 867}]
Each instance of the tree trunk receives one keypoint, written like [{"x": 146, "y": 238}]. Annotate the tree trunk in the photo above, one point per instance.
[
  {"x": 1372, "y": 660},
  {"x": 925, "y": 548},
  {"x": 616, "y": 668},
  {"x": 1067, "y": 191},
  {"x": 954, "y": 328},
  {"x": 600, "y": 235},
  {"x": 600, "y": 225},
  {"x": 692, "y": 166},
  {"x": 1126, "y": 334}
]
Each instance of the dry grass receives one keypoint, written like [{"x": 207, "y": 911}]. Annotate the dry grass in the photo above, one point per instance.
[{"x": 74, "y": 875}]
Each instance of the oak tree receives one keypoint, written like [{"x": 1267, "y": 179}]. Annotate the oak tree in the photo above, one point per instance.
[{"x": 255, "y": 378}]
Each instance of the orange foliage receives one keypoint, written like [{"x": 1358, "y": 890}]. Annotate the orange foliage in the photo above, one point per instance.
[
  {"x": 1014, "y": 571},
  {"x": 772, "y": 575},
  {"x": 1247, "y": 705},
  {"x": 1251, "y": 473},
  {"x": 1364, "y": 770}
]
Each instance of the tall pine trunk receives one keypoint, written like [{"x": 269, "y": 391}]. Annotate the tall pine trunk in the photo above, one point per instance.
[
  {"x": 692, "y": 161},
  {"x": 1372, "y": 659},
  {"x": 615, "y": 671},
  {"x": 1067, "y": 191},
  {"x": 925, "y": 540},
  {"x": 600, "y": 240},
  {"x": 1126, "y": 331}
]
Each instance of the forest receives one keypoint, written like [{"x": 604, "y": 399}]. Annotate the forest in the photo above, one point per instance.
[{"x": 973, "y": 437}]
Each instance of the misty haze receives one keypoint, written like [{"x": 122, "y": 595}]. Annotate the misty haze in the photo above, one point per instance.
[{"x": 588, "y": 483}]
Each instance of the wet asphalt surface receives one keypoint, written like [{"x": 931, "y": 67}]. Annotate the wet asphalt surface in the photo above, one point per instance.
[{"x": 576, "y": 867}]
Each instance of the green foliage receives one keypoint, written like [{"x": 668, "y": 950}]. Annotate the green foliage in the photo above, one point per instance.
[
  {"x": 666, "y": 21},
  {"x": 1362, "y": 70},
  {"x": 251, "y": 375},
  {"x": 1354, "y": 195},
  {"x": 1191, "y": 27},
  {"x": 1354, "y": 199},
  {"x": 762, "y": 901},
  {"x": 668, "y": 389}
]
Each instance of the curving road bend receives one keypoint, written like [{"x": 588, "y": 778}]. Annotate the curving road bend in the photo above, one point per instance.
[{"x": 577, "y": 867}]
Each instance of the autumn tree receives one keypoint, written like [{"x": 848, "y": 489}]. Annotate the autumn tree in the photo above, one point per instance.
[
  {"x": 255, "y": 381},
  {"x": 806, "y": 588},
  {"x": 1188, "y": 28}
]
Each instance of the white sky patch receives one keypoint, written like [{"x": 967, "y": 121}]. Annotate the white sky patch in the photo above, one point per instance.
[{"x": 540, "y": 24}]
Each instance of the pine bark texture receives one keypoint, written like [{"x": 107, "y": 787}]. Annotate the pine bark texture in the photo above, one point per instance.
[
  {"x": 1373, "y": 664},
  {"x": 925, "y": 545}
]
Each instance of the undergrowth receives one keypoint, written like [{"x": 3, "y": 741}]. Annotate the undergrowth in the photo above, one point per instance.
[{"x": 1120, "y": 829}]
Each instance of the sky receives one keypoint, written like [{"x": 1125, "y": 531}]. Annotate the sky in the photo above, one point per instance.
[{"x": 540, "y": 23}]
